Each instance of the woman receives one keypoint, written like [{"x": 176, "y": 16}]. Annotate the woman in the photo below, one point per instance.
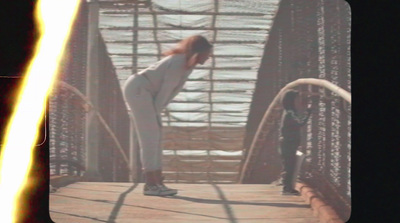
[
  {"x": 149, "y": 92},
  {"x": 290, "y": 131}
]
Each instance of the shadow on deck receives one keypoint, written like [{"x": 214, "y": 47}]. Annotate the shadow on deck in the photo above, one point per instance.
[{"x": 124, "y": 202}]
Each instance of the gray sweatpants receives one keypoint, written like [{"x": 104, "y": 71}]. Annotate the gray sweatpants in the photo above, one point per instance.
[{"x": 140, "y": 98}]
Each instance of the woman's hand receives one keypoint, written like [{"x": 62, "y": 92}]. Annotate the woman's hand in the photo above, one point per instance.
[{"x": 309, "y": 108}]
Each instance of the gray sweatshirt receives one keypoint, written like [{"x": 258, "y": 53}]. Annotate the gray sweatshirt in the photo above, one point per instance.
[{"x": 166, "y": 78}]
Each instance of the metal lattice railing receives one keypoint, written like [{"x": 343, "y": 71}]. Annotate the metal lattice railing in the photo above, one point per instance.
[
  {"x": 327, "y": 163},
  {"x": 309, "y": 39},
  {"x": 69, "y": 107},
  {"x": 66, "y": 115}
]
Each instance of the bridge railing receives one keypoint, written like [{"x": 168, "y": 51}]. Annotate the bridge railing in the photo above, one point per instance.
[
  {"x": 308, "y": 39},
  {"x": 70, "y": 105},
  {"x": 326, "y": 143}
]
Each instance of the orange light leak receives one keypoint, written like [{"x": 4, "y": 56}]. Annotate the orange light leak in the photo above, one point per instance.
[{"x": 54, "y": 19}]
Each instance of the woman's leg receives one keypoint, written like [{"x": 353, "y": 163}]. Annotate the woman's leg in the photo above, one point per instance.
[
  {"x": 145, "y": 118},
  {"x": 149, "y": 131},
  {"x": 158, "y": 172},
  {"x": 160, "y": 151},
  {"x": 290, "y": 164},
  {"x": 288, "y": 155}
]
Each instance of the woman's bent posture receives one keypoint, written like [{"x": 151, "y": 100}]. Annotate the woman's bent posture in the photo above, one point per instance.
[{"x": 149, "y": 92}]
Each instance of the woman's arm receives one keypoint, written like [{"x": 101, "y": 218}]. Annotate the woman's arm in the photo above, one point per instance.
[
  {"x": 300, "y": 120},
  {"x": 170, "y": 84}
]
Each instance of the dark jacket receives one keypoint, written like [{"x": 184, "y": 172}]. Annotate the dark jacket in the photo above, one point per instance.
[{"x": 291, "y": 124}]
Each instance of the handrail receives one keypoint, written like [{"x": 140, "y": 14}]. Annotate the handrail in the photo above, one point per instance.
[
  {"x": 90, "y": 106},
  {"x": 303, "y": 81}
]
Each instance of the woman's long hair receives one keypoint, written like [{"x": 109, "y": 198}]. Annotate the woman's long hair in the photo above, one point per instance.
[
  {"x": 288, "y": 99},
  {"x": 191, "y": 47}
]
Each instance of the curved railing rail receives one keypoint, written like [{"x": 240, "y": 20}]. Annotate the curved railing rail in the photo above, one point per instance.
[
  {"x": 88, "y": 119},
  {"x": 89, "y": 106},
  {"x": 274, "y": 106},
  {"x": 328, "y": 161}
]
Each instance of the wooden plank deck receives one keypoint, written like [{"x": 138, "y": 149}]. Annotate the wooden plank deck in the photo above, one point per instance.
[{"x": 83, "y": 202}]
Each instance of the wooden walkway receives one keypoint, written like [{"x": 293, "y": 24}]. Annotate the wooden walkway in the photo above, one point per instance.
[{"x": 83, "y": 202}]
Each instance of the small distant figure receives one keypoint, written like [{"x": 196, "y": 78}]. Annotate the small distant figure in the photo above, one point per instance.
[{"x": 290, "y": 138}]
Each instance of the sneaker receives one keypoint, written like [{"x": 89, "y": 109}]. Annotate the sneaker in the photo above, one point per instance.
[
  {"x": 291, "y": 192},
  {"x": 162, "y": 185},
  {"x": 171, "y": 191},
  {"x": 157, "y": 190}
]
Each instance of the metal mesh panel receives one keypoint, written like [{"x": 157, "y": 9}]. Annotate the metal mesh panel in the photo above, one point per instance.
[
  {"x": 67, "y": 116},
  {"x": 68, "y": 111},
  {"x": 113, "y": 109},
  {"x": 309, "y": 39}
]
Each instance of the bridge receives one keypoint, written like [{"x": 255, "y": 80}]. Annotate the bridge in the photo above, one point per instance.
[{"x": 221, "y": 132}]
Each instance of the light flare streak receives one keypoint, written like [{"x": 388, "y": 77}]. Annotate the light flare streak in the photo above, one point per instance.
[{"x": 54, "y": 20}]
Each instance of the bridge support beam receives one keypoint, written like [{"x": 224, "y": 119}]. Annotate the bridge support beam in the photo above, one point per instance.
[{"x": 92, "y": 139}]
